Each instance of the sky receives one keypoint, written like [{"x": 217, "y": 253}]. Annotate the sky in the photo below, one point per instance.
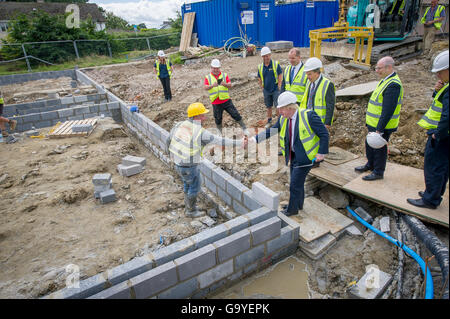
[{"x": 150, "y": 12}]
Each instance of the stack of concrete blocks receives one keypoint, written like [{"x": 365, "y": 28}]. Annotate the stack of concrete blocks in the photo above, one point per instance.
[
  {"x": 199, "y": 265},
  {"x": 79, "y": 128},
  {"x": 280, "y": 45},
  {"x": 131, "y": 165},
  {"x": 47, "y": 113},
  {"x": 103, "y": 188}
]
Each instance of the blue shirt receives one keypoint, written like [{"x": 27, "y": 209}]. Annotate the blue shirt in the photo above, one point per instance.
[
  {"x": 430, "y": 13},
  {"x": 163, "y": 73},
  {"x": 269, "y": 78}
]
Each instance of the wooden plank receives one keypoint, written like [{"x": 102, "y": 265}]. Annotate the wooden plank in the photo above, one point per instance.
[
  {"x": 317, "y": 219},
  {"x": 66, "y": 129},
  {"x": 61, "y": 127},
  {"x": 338, "y": 175},
  {"x": 337, "y": 155},
  {"x": 186, "y": 32},
  {"x": 358, "y": 90},
  {"x": 399, "y": 183}
]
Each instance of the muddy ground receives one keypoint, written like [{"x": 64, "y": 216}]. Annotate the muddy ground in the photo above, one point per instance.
[{"x": 50, "y": 218}]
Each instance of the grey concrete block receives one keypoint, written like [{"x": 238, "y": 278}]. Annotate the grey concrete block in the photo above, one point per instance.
[
  {"x": 317, "y": 248},
  {"x": 81, "y": 110},
  {"x": 352, "y": 230},
  {"x": 120, "y": 291},
  {"x": 206, "y": 167},
  {"x": 76, "y": 118},
  {"x": 385, "y": 224},
  {"x": 235, "y": 189},
  {"x": 238, "y": 208},
  {"x": 102, "y": 107},
  {"x": 249, "y": 202},
  {"x": 42, "y": 124},
  {"x": 220, "y": 177},
  {"x": 173, "y": 251},
  {"x": 31, "y": 118},
  {"x": 80, "y": 99},
  {"x": 92, "y": 97},
  {"x": 249, "y": 257},
  {"x": 209, "y": 236},
  {"x": 232, "y": 245},
  {"x": 65, "y": 112},
  {"x": 113, "y": 106},
  {"x": 53, "y": 102},
  {"x": 133, "y": 160},
  {"x": 180, "y": 291},
  {"x": 129, "y": 170},
  {"x": 260, "y": 215},
  {"x": 108, "y": 196},
  {"x": 210, "y": 185},
  {"x": 67, "y": 100},
  {"x": 196, "y": 262},
  {"x": 286, "y": 237},
  {"x": 371, "y": 285},
  {"x": 265, "y": 230},
  {"x": 94, "y": 109},
  {"x": 81, "y": 128},
  {"x": 102, "y": 179},
  {"x": 265, "y": 196},
  {"x": 154, "y": 281},
  {"x": 364, "y": 215},
  {"x": 237, "y": 224},
  {"x": 215, "y": 274},
  {"x": 280, "y": 45},
  {"x": 130, "y": 269},
  {"x": 87, "y": 287},
  {"x": 224, "y": 196},
  {"x": 90, "y": 115}
]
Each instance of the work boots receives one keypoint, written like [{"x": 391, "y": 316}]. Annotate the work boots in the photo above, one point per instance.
[{"x": 191, "y": 209}]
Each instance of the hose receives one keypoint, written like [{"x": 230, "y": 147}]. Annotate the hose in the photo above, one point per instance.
[
  {"x": 429, "y": 285},
  {"x": 227, "y": 47},
  {"x": 436, "y": 247}
]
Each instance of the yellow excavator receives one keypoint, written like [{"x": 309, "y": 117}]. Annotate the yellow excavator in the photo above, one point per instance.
[{"x": 388, "y": 23}]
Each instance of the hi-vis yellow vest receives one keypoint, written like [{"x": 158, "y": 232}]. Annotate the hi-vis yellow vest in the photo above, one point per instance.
[
  {"x": 437, "y": 14},
  {"x": 432, "y": 117},
  {"x": 2, "y": 101},
  {"x": 169, "y": 68},
  {"x": 320, "y": 103},
  {"x": 275, "y": 65},
  {"x": 309, "y": 139},
  {"x": 220, "y": 91},
  {"x": 185, "y": 145},
  {"x": 375, "y": 106},
  {"x": 298, "y": 83},
  {"x": 400, "y": 10}
]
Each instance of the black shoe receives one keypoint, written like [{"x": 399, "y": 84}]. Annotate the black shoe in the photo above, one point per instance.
[
  {"x": 372, "y": 177},
  {"x": 280, "y": 153},
  {"x": 362, "y": 169},
  {"x": 285, "y": 212},
  {"x": 421, "y": 193},
  {"x": 420, "y": 203},
  {"x": 316, "y": 164}
]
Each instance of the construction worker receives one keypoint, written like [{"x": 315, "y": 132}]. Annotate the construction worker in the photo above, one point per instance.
[
  {"x": 217, "y": 85},
  {"x": 436, "y": 122},
  {"x": 320, "y": 92},
  {"x": 432, "y": 21},
  {"x": 397, "y": 10},
  {"x": 303, "y": 140},
  {"x": 382, "y": 117},
  {"x": 164, "y": 71},
  {"x": 294, "y": 77},
  {"x": 270, "y": 77},
  {"x": 3, "y": 120},
  {"x": 186, "y": 142}
]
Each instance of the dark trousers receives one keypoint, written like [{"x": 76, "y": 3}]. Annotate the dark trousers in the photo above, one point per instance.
[
  {"x": 297, "y": 187},
  {"x": 376, "y": 158},
  {"x": 435, "y": 170},
  {"x": 166, "y": 86},
  {"x": 227, "y": 106}
]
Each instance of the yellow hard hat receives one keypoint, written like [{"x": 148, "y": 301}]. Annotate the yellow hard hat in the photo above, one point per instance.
[{"x": 196, "y": 109}]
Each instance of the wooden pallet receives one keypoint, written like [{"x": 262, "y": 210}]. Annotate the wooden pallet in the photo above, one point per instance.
[
  {"x": 186, "y": 32},
  {"x": 65, "y": 129}
]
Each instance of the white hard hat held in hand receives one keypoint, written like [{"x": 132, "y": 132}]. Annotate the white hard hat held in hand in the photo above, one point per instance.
[
  {"x": 286, "y": 98},
  {"x": 161, "y": 54},
  {"x": 375, "y": 140},
  {"x": 215, "y": 63},
  {"x": 265, "y": 51},
  {"x": 440, "y": 62},
  {"x": 312, "y": 64}
]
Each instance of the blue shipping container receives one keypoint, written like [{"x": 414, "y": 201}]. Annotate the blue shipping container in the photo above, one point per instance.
[{"x": 262, "y": 21}]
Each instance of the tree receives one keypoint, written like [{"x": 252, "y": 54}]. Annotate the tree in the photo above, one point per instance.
[
  {"x": 115, "y": 22},
  {"x": 142, "y": 26},
  {"x": 177, "y": 23}
]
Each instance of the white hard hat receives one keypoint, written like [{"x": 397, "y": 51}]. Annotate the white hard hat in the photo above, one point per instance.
[
  {"x": 286, "y": 98},
  {"x": 161, "y": 54},
  {"x": 215, "y": 63},
  {"x": 265, "y": 51},
  {"x": 375, "y": 140},
  {"x": 312, "y": 64},
  {"x": 440, "y": 62}
]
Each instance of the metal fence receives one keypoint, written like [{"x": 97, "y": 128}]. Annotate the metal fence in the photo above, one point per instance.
[{"x": 57, "y": 52}]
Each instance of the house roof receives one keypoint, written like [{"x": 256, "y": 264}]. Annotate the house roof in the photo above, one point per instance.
[{"x": 10, "y": 9}]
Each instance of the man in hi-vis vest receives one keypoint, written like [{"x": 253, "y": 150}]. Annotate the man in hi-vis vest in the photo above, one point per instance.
[
  {"x": 186, "y": 142},
  {"x": 217, "y": 84},
  {"x": 432, "y": 22},
  {"x": 436, "y": 122},
  {"x": 382, "y": 116},
  {"x": 3, "y": 120},
  {"x": 294, "y": 77},
  {"x": 303, "y": 140}
]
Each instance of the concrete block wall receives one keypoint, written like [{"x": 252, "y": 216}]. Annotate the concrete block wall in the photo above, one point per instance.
[{"x": 26, "y": 77}]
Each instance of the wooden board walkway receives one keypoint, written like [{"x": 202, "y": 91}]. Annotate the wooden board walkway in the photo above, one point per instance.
[
  {"x": 65, "y": 129},
  {"x": 400, "y": 182}
]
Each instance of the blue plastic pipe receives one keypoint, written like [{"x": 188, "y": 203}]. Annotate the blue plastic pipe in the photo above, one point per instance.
[{"x": 429, "y": 292}]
